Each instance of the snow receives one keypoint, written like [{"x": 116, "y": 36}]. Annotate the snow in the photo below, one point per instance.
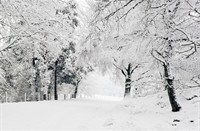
[{"x": 151, "y": 112}]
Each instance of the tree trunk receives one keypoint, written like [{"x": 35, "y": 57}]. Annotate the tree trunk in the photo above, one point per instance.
[
  {"x": 44, "y": 97},
  {"x": 170, "y": 89},
  {"x": 37, "y": 84},
  {"x": 76, "y": 89},
  {"x": 169, "y": 79},
  {"x": 75, "y": 92},
  {"x": 127, "y": 86},
  {"x": 37, "y": 79},
  {"x": 49, "y": 95},
  {"x": 127, "y": 72},
  {"x": 55, "y": 81}
]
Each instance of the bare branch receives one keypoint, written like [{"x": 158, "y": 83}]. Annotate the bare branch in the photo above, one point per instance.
[
  {"x": 195, "y": 50},
  {"x": 132, "y": 8},
  {"x": 145, "y": 72},
  {"x": 10, "y": 45},
  {"x": 113, "y": 13},
  {"x": 120, "y": 69},
  {"x": 188, "y": 3},
  {"x": 162, "y": 61},
  {"x": 117, "y": 67},
  {"x": 188, "y": 37},
  {"x": 141, "y": 78},
  {"x": 129, "y": 67},
  {"x": 137, "y": 66},
  {"x": 180, "y": 52},
  {"x": 123, "y": 73},
  {"x": 157, "y": 7}
]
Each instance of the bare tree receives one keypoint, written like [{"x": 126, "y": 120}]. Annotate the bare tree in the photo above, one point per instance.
[
  {"x": 127, "y": 72},
  {"x": 168, "y": 78}
]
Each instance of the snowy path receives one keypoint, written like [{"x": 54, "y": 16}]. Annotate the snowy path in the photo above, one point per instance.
[
  {"x": 74, "y": 114},
  {"x": 144, "y": 113}
]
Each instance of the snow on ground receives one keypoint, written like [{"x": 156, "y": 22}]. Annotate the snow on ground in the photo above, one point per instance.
[{"x": 152, "y": 112}]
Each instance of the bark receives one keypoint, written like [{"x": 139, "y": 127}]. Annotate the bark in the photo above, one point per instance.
[
  {"x": 37, "y": 84},
  {"x": 75, "y": 92},
  {"x": 127, "y": 86},
  {"x": 170, "y": 89},
  {"x": 128, "y": 74},
  {"x": 168, "y": 78},
  {"x": 76, "y": 89},
  {"x": 44, "y": 97},
  {"x": 55, "y": 81}
]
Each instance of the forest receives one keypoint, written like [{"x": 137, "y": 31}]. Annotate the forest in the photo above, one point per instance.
[{"x": 109, "y": 49}]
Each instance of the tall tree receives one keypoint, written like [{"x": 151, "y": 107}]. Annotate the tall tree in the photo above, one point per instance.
[{"x": 127, "y": 72}]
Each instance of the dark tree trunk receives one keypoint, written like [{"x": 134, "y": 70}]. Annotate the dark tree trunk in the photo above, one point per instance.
[
  {"x": 168, "y": 78},
  {"x": 127, "y": 86},
  {"x": 44, "y": 97},
  {"x": 170, "y": 89},
  {"x": 76, "y": 89},
  {"x": 75, "y": 92},
  {"x": 55, "y": 81},
  {"x": 49, "y": 95},
  {"x": 127, "y": 73}
]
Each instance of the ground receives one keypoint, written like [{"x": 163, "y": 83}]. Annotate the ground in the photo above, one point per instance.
[{"x": 151, "y": 112}]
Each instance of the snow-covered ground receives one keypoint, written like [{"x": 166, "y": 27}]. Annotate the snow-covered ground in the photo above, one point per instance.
[{"x": 152, "y": 112}]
